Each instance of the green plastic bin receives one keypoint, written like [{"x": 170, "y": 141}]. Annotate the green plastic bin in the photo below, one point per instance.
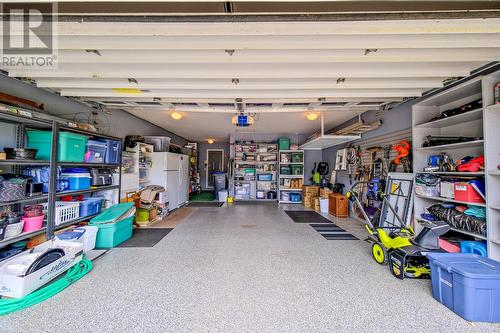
[
  {"x": 285, "y": 170},
  {"x": 297, "y": 157},
  {"x": 71, "y": 147},
  {"x": 111, "y": 234},
  {"x": 297, "y": 170},
  {"x": 284, "y": 143}
]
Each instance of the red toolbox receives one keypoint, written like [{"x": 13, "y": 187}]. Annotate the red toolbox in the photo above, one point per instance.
[{"x": 465, "y": 192}]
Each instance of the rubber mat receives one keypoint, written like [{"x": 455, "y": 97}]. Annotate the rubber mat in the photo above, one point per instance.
[
  {"x": 145, "y": 237},
  {"x": 306, "y": 216},
  {"x": 333, "y": 232},
  {"x": 256, "y": 202},
  {"x": 205, "y": 204}
]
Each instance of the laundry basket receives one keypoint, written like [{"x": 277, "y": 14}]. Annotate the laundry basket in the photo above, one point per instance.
[{"x": 65, "y": 211}]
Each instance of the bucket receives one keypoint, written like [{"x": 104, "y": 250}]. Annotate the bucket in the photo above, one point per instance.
[
  {"x": 222, "y": 195},
  {"x": 32, "y": 223},
  {"x": 323, "y": 205}
]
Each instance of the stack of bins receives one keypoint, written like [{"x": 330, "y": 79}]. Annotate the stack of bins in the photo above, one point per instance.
[
  {"x": 220, "y": 183},
  {"x": 115, "y": 225}
]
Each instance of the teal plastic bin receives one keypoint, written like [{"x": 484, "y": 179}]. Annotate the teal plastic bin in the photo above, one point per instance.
[
  {"x": 284, "y": 143},
  {"x": 115, "y": 226},
  {"x": 71, "y": 147}
]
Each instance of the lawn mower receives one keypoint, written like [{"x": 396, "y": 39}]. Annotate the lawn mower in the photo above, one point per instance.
[{"x": 396, "y": 243}]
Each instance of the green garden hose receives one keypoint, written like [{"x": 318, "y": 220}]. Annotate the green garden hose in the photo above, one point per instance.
[{"x": 75, "y": 273}]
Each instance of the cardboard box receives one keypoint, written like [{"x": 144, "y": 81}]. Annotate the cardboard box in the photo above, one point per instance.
[
  {"x": 17, "y": 285},
  {"x": 325, "y": 193},
  {"x": 310, "y": 190}
]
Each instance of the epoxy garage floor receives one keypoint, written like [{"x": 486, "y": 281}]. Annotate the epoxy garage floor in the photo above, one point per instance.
[{"x": 242, "y": 269}]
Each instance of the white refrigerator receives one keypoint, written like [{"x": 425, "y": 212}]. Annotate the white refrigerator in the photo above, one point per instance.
[{"x": 172, "y": 172}]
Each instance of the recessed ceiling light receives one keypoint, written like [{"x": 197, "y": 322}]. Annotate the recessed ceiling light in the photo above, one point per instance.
[
  {"x": 176, "y": 115},
  {"x": 311, "y": 116},
  {"x": 210, "y": 141}
]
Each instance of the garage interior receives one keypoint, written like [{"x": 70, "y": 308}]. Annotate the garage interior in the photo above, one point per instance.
[{"x": 252, "y": 166}]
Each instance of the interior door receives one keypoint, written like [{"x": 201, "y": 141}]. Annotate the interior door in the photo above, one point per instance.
[{"x": 215, "y": 162}]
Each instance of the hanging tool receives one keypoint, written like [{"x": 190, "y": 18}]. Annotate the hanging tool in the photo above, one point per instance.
[{"x": 403, "y": 149}]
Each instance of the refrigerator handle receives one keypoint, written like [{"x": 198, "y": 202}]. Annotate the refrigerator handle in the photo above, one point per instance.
[{"x": 181, "y": 173}]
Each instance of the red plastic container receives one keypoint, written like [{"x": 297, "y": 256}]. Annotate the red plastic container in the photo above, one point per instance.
[
  {"x": 32, "y": 223},
  {"x": 465, "y": 192}
]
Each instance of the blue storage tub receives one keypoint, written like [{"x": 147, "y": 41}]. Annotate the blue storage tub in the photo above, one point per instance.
[
  {"x": 79, "y": 178},
  {"x": 295, "y": 197},
  {"x": 265, "y": 177},
  {"x": 113, "y": 149},
  {"x": 90, "y": 206},
  {"x": 467, "y": 284}
]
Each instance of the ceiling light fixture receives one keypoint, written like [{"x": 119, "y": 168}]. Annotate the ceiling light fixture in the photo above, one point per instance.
[
  {"x": 311, "y": 116},
  {"x": 210, "y": 141},
  {"x": 176, "y": 115}
]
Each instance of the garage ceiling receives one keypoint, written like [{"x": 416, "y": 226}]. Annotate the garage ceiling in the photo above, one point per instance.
[{"x": 150, "y": 67}]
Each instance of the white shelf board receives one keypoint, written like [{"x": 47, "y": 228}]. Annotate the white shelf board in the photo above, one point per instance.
[
  {"x": 495, "y": 107},
  {"x": 496, "y": 241},
  {"x": 494, "y": 172},
  {"x": 291, "y": 189},
  {"x": 495, "y": 207},
  {"x": 452, "y": 201},
  {"x": 480, "y": 173},
  {"x": 289, "y": 202},
  {"x": 292, "y": 176},
  {"x": 291, "y": 151},
  {"x": 454, "y": 120},
  {"x": 327, "y": 141},
  {"x": 292, "y": 163},
  {"x": 477, "y": 143}
]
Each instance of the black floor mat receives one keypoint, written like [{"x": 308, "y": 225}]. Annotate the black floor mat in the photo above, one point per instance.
[
  {"x": 333, "y": 232},
  {"x": 256, "y": 202},
  {"x": 205, "y": 204},
  {"x": 306, "y": 216},
  {"x": 146, "y": 237}
]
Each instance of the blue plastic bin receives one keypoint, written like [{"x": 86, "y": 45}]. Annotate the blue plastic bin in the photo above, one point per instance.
[
  {"x": 295, "y": 197},
  {"x": 468, "y": 284},
  {"x": 90, "y": 206},
  {"x": 474, "y": 248},
  {"x": 113, "y": 149},
  {"x": 79, "y": 178},
  {"x": 265, "y": 177}
]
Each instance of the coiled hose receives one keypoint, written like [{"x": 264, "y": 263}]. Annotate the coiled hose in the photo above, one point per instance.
[{"x": 75, "y": 273}]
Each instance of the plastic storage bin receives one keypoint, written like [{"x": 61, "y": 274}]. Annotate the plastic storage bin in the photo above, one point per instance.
[
  {"x": 90, "y": 206},
  {"x": 78, "y": 178},
  {"x": 65, "y": 211},
  {"x": 284, "y": 143},
  {"x": 71, "y": 146},
  {"x": 32, "y": 223},
  {"x": 465, "y": 192},
  {"x": 113, "y": 149},
  {"x": 428, "y": 186},
  {"x": 86, "y": 235},
  {"x": 467, "y": 284},
  {"x": 297, "y": 157},
  {"x": 474, "y": 248},
  {"x": 14, "y": 229},
  {"x": 265, "y": 177},
  {"x": 112, "y": 234},
  {"x": 297, "y": 169},
  {"x": 285, "y": 170},
  {"x": 295, "y": 197},
  {"x": 96, "y": 151}
]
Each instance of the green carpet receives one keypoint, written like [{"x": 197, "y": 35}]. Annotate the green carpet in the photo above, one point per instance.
[{"x": 203, "y": 196}]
